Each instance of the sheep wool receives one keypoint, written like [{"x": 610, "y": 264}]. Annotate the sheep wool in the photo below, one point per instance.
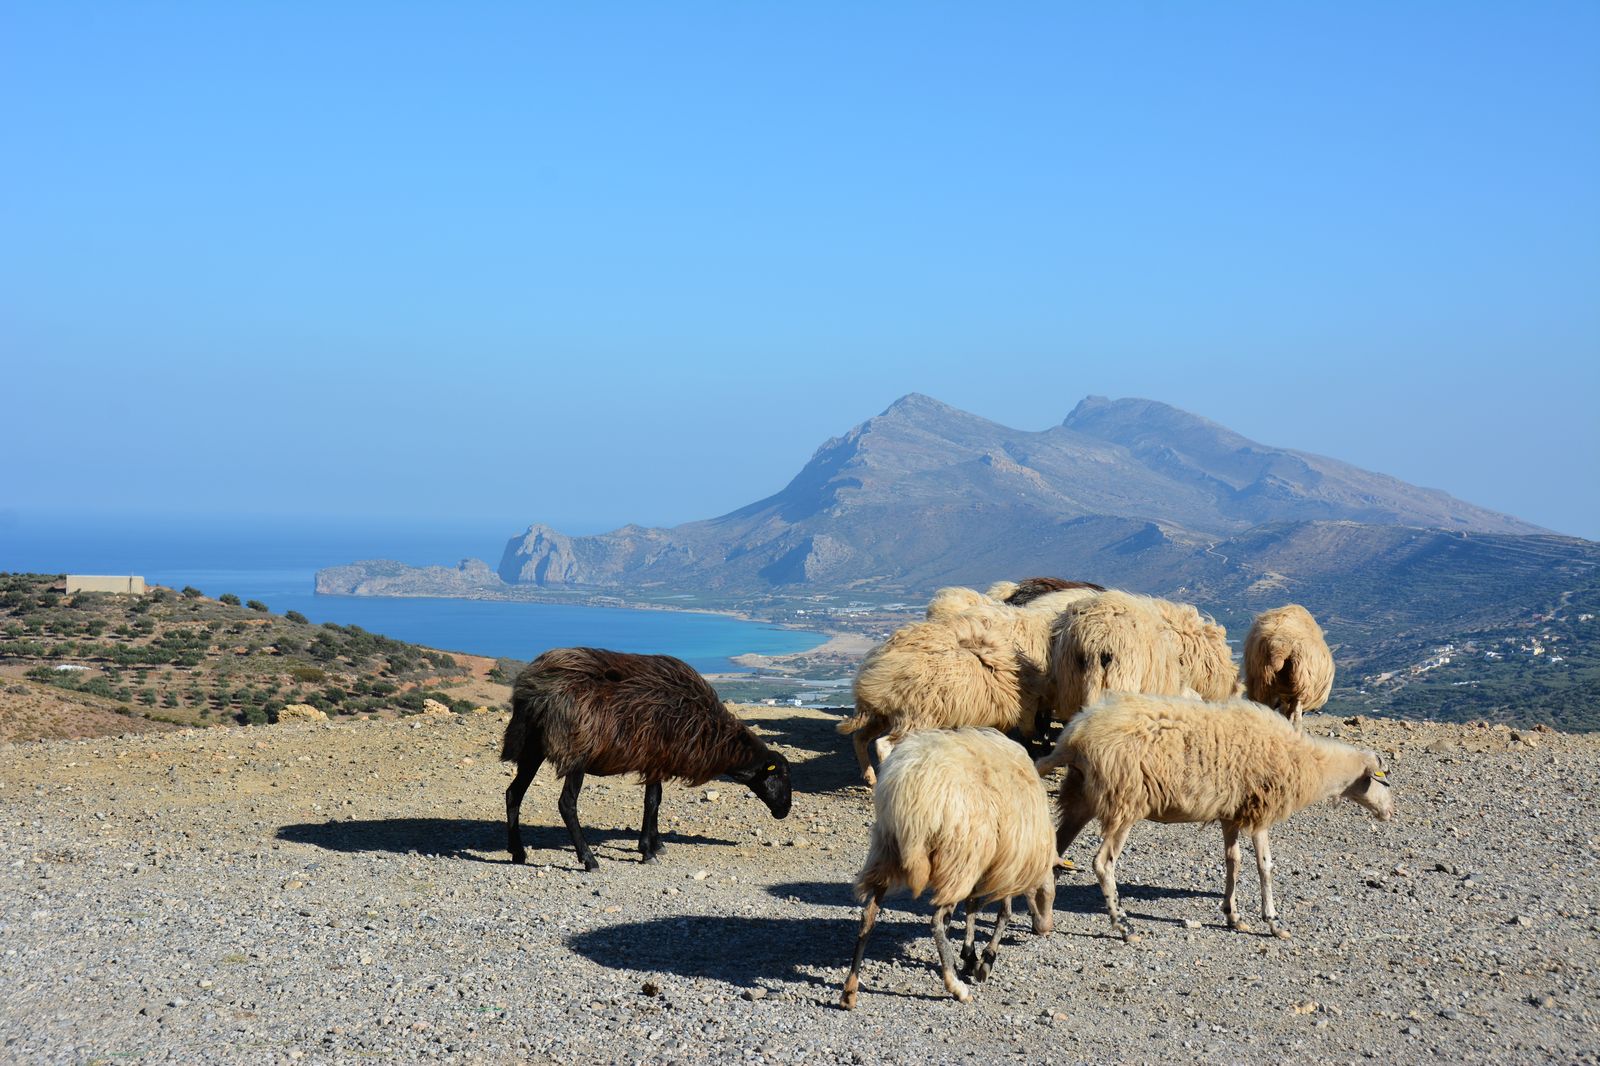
[
  {"x": 592, "y": 711},
  {"x": 934, "y": 675},
  {"x": 961, "y": 813},
  {"x": 1139, "y": 757},
  {"x": 1287, "y": 664}
]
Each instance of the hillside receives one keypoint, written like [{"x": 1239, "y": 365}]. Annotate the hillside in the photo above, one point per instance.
[
  {"x": 340, "y": 893},
  {"x": 94, "y": 663}
]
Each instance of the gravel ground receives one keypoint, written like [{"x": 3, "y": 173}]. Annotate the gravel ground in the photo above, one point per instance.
[{"x": 340, "y": 893}]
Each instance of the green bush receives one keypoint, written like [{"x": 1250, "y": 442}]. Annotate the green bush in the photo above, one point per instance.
[
  {"x": 191, "y": 593},
  {"x": 307, "y": 674},
  {"x": 296, "y": 616},
  {"x": 256, "y": 605},
  {"x": 228, "y": 598}
]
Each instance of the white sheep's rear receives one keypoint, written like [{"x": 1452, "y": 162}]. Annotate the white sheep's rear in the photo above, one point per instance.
[{"x": 964, "y": 813}]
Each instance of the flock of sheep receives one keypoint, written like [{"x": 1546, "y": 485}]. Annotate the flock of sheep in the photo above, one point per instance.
[{"x": 1155, "y": 728}]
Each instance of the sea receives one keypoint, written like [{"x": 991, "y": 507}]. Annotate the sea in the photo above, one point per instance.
[{"x": 275, "y": 561}]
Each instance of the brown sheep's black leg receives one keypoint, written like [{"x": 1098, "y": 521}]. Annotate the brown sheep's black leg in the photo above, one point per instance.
[
  {"x": 649, "y": 835},
  {"x": 569, "y": 814},
  {"x": 527, "y": 766}
]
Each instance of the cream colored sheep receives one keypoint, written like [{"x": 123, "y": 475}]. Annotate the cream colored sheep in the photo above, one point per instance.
[
  {"x": 1287, "y": 664},
  {"x": 953, "y": 600},
  {"x": 960, "y": 812},
  {"x": 935, "y": 675},
  {"x": 1205, "y": 662},
  {"x": 1163, "y": 759},
  {"x": 1119, "y": 642},
  {"x": 1114, "y": 642},
  {"x": 1001, "y": 591}
]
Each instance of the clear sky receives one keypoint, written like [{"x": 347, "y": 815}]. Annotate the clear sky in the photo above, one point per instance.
[{"x": 589, "y": 264}]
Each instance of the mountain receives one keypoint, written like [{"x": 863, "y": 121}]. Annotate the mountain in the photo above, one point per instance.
[{"x": 924, "y": 494}]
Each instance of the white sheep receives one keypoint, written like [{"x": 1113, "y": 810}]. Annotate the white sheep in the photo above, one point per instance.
[
  {"x": 1137, "y": 757},
  {"x": 963, "y": 813},
  {"x": 1114, "y": 642},
  {"x": 1287, "y": 664},
  {"x": 935, "y": 675}
]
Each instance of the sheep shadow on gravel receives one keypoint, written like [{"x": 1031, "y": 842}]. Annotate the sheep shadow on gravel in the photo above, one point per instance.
[
  {"x": 1079, "y": 899},
  {"x": 748, "y": 951},
  {"x": 471, "y": 839}
]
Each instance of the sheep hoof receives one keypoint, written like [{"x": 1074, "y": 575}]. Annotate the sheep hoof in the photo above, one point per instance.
[
  {"x": 591, "y": 865},
  {"x": 1280, "y": 932},
  {"x": 958, "y": 990},
  {"x": 981, "y": 974},
  {"x": 1237, "y": 926},
  {"x": 520, "y": 858},
  {"x": 969, "y": 962}
]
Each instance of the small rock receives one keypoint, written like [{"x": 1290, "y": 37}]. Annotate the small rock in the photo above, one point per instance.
[
  {"x": 701, "y": 875},
  {"x": 1522, "y": 920},
  {"x": 800, "y": 842},
  {"x": 1539, "y": 999},
  {"x": 753, "y": 994},
  {"x": 1305, "y": 1006},
  {"x": 1192, "y": 923},
  {"x": 710, "y": 795}
]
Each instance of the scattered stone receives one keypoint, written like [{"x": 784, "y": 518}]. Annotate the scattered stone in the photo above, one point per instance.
[
  {"x": 753, "y": 994},
  {"x": 301, "y": 712}
]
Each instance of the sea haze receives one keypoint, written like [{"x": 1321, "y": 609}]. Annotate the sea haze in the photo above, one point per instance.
[{"x": 276, "y": 564}]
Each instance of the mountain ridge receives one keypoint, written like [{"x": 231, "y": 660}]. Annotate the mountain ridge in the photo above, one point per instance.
[{"x": 925, "y": 475}]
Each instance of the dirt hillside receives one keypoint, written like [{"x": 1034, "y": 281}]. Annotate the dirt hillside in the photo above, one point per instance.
[{"x": 341, "y": 893}]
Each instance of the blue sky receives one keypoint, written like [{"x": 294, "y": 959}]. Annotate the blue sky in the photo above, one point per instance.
[{"x": 518, "y": 262}]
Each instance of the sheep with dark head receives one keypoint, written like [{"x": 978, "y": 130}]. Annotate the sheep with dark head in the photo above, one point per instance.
[
  {"x": 1287, "y": 664},
  {"x": 590, "y": 711}
]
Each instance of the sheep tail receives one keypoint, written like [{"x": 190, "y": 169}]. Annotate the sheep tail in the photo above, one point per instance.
[{"x": 855, "y": 721}]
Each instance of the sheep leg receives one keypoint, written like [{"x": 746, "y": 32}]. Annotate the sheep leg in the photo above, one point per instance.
[
  {"x": 1269, "y": 909},
  {"x": 569, "y": 814},
  {"x": 1230, "y": 877},
  {"x": 863, "y": 738},
  {"x": 1073, "y": 811},
  {"x": 1294, "y": 715},
  {"x": 947, "y": 966},
  {"x": 991, "y": 952},
  {"x": 969, "y": 949},
  {"x": 649, "y": 836},
  {"x": 527, "y": 766},
  {"x": 852, "y": 983},
  {"x": 1105, "y": 869}
]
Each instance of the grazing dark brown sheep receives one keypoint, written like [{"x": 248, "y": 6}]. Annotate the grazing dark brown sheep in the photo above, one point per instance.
[
  {"x": 1031, "y": 588},
  {"x": 590, "y": 711}
]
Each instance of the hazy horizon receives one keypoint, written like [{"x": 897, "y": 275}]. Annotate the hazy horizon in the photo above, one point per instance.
[{"x": 508, "y": 264}]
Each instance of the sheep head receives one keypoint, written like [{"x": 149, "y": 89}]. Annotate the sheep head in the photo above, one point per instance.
[
  {"x": 768, "y": 778},
  {"x": 1371, "y": 790}
]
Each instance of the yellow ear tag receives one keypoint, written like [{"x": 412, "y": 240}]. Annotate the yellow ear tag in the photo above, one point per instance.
[
  {"x": 1377, "y": 773},
  {"x": 772, "y": 767}
]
